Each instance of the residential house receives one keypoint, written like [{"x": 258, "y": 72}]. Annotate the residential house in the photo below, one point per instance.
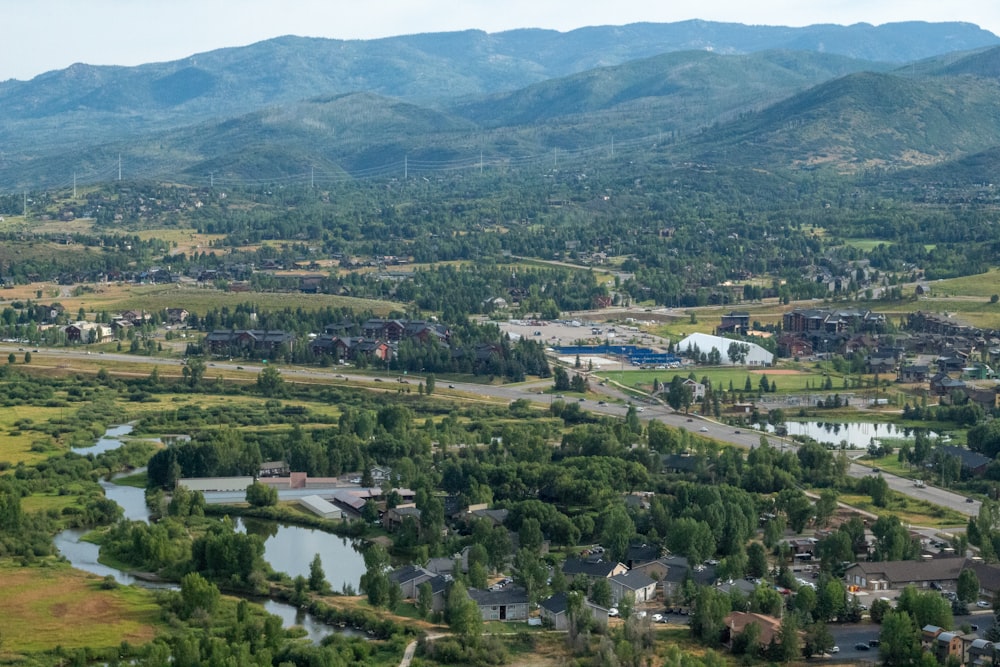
[
  {"x": 254, "y": 340},
  {"x": 986, "y": 398},
  {"x": 886, "y": 575},
  {"x": 497, "y": 517},
  {"x": 947, "y": 645},
  {"x": 655, "y": 569},
  {"x": 913, "y": 373},
  {"x": 177, "y": 315},
  {"x": 592, "y": 569},
  {"x": 134, "y": 316},
  {"x": 988, "y": 575},
  {"x": 641, "y": 586},
  {"x": 393, "y": 518},
  {"x": 943, "y": 385},
  {"x": 390, "y": 330},
  {"x": 697, "y": 389},
  {"x": 373, "y": 349},
  {"x": 88, "y": 332},
  {"x": 736, "y": 622},
  {"x": 981, "y": 652},
  {"x": 973, "y": 463},
  {"x": 680, "y": 570},
  {"x": 445, "y": 565},
  {"x": 803, "y": 545},
  {"x": 507, "y": 604},
  {"x": 681, "y": 463},
  {"x": 879, "y": 364},
  {"x": 555, "y": 611},
  {"x": 409, "y": 578},
  {"x": 641, "y": 553}
]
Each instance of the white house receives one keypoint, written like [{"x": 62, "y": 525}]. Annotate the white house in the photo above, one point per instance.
[{"x": 756, "y": 355}]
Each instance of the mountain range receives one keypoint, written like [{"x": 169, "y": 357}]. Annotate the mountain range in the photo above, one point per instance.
[{"x": 847, "y": 97}]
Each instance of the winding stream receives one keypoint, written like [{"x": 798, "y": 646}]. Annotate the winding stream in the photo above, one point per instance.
[{"x": 284, "y": 552}]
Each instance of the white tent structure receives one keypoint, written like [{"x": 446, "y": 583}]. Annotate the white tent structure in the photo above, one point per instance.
[{"x": 756, "y": 356}]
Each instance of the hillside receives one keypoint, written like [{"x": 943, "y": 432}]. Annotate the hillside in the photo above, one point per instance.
[
  {"x": 290, "y": 105},
  {"x": 864, "y": 120}
]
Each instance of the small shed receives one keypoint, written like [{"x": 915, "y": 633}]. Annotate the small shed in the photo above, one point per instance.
[{"x": 320, "y": 507}]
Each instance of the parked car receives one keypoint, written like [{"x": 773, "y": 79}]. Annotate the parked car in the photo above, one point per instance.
[
  {"x": 613, "y": 612},
  {"x": 703, "y": 429},
  {"x": 861, "y": 646},
  {"x": 969, "y": 500},
  {"x": 983, "y": 604},
  {"x": 835, "y": 649},
  {"x": 657, "y": 618}
]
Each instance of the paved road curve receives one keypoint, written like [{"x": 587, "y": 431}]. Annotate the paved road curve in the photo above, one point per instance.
[{"x": 532, "y": 391}]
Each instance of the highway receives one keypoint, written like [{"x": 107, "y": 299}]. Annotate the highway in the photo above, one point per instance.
[{"x": 535, "y": 391}]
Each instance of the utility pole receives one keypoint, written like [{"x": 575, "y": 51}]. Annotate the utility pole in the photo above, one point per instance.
[
  {"x": 406, "y": 167},
  {"x": 119, "y": 166},
  {"x": 312, "y": 177},
  {"x": 74, "y": 185}
]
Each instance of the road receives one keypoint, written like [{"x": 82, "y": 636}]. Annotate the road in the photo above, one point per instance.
[{"x": 535, "y": 391}]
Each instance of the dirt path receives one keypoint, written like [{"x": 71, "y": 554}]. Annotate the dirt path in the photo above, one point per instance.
[{"x": 411, "y": 648}]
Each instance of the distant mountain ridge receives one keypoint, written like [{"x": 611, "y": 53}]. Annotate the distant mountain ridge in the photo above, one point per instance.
[{"x": 349, "y": 104}]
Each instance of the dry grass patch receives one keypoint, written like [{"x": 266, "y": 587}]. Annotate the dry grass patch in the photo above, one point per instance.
[
  {"x": 15, "y": 445},
  {"x": 46, "y": 607}
]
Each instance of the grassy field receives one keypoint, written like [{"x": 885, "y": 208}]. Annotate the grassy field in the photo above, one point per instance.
[
  {"x": 46, "y": 607},
  {"x": 909, "y": 510},
  {"x": 43, "y": 502},
  {"x": 787, "y": 380},
  {"x": 15, "y": 445}
]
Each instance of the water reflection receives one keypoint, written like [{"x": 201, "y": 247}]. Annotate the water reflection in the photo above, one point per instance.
[
  {"x": 84, "y": 555},
  {"x": 856, "y": 435},
  {"x": 111, "y": 440},
  {"x": 291, "y": 549}
]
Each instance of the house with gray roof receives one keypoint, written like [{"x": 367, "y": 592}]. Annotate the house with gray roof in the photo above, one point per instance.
[
  {"x": 897, "y": 574},
  {"x": 679, "y": 570},
  {"x": 973, "y": 463},
  {"x": 592, "y": 569},
  {"x": 510, "y": 603},
  {"x": 555, "y": 611},
  {"x": 409, "y": 578},
  {"x": 641, "y": 586}
]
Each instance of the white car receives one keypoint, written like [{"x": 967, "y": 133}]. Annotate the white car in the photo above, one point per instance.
[
  {"x": 835, "y": 649},
  {"x": 983, "y": 604},
  {"x": 657, "y": 618},
  {"x": 703, "y": 429},
  {"x": 613, "y": 612}
]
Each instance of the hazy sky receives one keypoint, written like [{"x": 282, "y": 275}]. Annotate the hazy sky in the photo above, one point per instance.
[{"x": 42, "y": 35}]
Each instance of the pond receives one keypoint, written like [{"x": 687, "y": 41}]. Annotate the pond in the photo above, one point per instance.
[
  {"x": 341, "y": 559},
  {"x": 290, "y": 549},
  {"x": 858, "y": 435}
]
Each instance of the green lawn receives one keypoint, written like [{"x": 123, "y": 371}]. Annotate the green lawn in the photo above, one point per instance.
[{"x": 787, "y": 381}]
